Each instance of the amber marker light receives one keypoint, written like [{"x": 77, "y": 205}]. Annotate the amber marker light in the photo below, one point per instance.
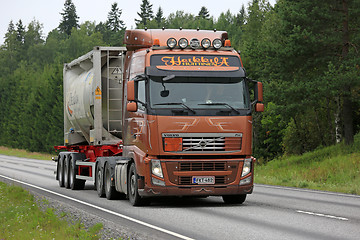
[
  {"x": 156, "y": 42},
  {"x": 227, "y": 43},
  {"x": 172, "y": 144}
]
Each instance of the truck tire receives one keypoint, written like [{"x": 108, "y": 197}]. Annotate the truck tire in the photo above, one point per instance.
[
  {"x": 100, "y": 181},
  {"x": 75, "y": 184},
  {"x": 234, "y": 199},
  {"x": 110, "y": 191},
  {"x": 60, "y": 173},
  {"x": 66, "y": 172},
  {"x": 134, "y": 197}
]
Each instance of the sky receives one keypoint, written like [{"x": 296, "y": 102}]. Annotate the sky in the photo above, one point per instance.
[{"x": 47, "y": 12}]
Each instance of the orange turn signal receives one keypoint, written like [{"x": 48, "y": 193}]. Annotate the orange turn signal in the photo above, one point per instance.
[{"x": 172, "y": 144}]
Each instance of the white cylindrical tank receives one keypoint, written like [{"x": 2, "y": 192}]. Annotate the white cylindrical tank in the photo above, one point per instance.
[{"x": 80, "y": 91}]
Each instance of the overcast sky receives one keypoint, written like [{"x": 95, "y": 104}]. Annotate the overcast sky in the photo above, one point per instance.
[{"x": 47, "y": 12}]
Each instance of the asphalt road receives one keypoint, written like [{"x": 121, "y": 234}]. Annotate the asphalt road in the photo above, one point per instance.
[{"x": 269, "y": 213}]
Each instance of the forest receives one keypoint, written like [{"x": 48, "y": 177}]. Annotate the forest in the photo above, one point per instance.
[{"x": 306, "y": 53}]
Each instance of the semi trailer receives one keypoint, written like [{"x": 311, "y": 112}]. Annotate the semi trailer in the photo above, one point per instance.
[{"x": 170, "y": 114}]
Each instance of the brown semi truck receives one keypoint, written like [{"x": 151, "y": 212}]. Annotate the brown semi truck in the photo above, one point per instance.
[{"x": 170, "y": 114}]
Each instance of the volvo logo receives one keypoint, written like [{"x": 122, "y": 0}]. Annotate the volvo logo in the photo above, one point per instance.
[{"x": 202, "y": 144}]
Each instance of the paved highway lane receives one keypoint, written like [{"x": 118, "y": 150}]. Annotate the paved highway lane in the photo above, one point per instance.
[{"x": 269, "y": 213}]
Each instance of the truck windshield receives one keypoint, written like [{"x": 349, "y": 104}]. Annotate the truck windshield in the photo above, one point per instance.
[{"x": 198, "y": 93}]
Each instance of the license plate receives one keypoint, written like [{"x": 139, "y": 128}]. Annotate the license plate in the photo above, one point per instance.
[{"x": 203, "y": 180}]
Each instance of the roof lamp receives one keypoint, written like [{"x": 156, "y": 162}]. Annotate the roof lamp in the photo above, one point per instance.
[
  {"x": 217, "y": 44},
  {"x": 183, "y": 43},
  {"x": 205, "y": 43},
  {"x": 156, "y": 42},
  {"x": 194, "y": 43},
  {"x": 171, "y": 43},
  {"x": 227, "y": 43}
]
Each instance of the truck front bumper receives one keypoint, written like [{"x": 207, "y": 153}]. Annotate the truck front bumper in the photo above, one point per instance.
[{"x": 195, "y": 190}]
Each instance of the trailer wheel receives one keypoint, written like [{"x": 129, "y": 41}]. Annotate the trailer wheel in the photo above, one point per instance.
[
  {"x": 66, "y": 172},
  {"x": 99, "y": 181},
  {"x": 134, "y": 197},
  {"x": 75, "y": 184},
  {"x": 60, "y": 173},
  {"x": 234, "y": 199}
]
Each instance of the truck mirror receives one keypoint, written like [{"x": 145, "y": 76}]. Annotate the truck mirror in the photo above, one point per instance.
[
  {"x": 131, "y": 107},
  {"x": 259, "y": 107},
  {"x": 131, "y": 90},
  {"x": 259, "y": 91}
]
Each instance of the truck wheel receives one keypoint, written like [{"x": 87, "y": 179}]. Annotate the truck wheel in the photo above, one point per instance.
[
  {"x": 66, "y": 172},
  {"x": 99, "y": 182},
  {"x": 110, "y": 191},
  {"x": 134, "y": 197},
  {"x": 75, "y": 184},
  {"x": 234, "y": 199},
  {"x": 60, "y": 173}
]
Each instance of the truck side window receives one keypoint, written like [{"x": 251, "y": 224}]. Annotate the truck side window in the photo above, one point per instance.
[{"x": 141, "y": 95}]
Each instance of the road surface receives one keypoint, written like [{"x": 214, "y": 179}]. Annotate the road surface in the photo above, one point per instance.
[{"x": 269, "y": 213}]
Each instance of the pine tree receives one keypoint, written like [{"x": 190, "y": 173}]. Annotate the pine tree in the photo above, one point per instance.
[
  {"x": 20, "y": 30},
  {"x": 146, "y": 13},
  {"x": 240, "y": 17},
  {"x": 114, "y": 23},
  {"x": 69, "y": 18},
  {"x": 204, "y": 13},
  {"x": 33, "y": 34},
  {"x": 159, "y": 17}
]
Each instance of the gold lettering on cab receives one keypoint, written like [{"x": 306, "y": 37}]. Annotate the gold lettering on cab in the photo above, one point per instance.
[{"x": 195, "y": 61}]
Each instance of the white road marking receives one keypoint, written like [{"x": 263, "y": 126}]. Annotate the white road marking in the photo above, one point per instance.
[
  {"x": 104, "y": 210},
  {"x": 323, "y": 215},
  {"x": 308, "y": 190}
]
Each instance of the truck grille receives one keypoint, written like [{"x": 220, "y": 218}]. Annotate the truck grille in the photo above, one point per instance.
[
  {"x": 202, "y": 166},
  {"x": 203, "y": 142}
]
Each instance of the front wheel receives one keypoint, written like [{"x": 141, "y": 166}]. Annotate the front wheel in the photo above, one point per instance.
[
  {"x": 234, "y": 199},
  {"x": 134, "y": 197}
]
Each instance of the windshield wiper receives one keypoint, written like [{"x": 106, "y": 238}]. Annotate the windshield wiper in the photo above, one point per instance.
[
  {"x": 175, "y": 103},
  {"x": 221, "y": 104}
]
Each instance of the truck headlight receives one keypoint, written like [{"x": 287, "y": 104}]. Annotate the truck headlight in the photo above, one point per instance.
[
  {"x": 156, "y": 168},
  {"x": 246, "y": 167}
]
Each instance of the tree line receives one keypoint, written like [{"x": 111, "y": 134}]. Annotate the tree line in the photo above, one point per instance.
[{"x": 305, "y": 52}]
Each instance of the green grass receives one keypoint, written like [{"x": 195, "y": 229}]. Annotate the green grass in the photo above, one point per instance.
[
  {"x": 335, "y": 168},
  {"x": 24, "y": 153},
  {"x": 21, "y": 218}
]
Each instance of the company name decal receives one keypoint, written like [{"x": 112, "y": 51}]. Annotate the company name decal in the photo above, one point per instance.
[{"x": 210, "y": 61}]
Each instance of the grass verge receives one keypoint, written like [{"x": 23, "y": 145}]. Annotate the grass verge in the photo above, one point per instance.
[
  {"x": 24, "y": 153},
  {"x": 335, "y": 168},
  {"x": 21, "y": 218}
]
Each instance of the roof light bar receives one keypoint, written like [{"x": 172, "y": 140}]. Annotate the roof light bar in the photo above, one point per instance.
[
  {"x": 171, "y": 43},
  {"x": 183, "y": 43},
  {"x": 217, "y": 44},
  {"x": 194, "y": 43},
  {"x": 205, "y": 43}
]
